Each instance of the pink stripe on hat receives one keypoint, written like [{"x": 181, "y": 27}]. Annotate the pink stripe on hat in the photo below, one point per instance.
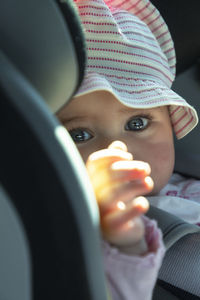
[{"x": 131, "y": 55}]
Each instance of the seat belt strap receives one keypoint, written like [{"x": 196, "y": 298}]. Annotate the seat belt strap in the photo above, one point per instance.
[
  {"x": 172, "y": 227},
  {"x": 180, "y": 270},
  {"x": 166, "y": 291}
]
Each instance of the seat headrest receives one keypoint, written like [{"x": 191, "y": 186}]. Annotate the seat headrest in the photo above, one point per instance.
[
  {"x": 37, "y": 38},
  {"x": 187, "y": 84}
]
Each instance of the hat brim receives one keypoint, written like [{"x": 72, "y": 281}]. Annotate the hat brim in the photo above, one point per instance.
[{"x": 145, "y": 94}]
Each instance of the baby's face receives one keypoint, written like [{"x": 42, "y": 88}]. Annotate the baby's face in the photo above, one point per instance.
[{"x": 97, "y": 119}]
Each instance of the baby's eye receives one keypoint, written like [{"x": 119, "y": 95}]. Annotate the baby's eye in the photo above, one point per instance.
[
  {"x": 80, "y": 135},
  {"x": 137, "y": 123}
]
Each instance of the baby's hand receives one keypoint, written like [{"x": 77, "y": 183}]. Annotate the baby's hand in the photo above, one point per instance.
[{"x": 118, "y": 180}]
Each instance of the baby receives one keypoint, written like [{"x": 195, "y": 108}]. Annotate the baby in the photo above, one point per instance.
[
  {"x": 97, "y": 119},
  {"x": 122, "y": 120}
]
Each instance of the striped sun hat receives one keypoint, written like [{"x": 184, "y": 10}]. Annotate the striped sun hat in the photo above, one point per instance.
[{"x": 131, "y": 55}]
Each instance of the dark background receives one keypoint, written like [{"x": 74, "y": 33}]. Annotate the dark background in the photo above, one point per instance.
[{"x": 183, "y": 20}]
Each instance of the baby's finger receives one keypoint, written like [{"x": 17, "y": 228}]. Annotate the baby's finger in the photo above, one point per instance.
[
  {"x": 104, "y": 158},
  {"x": 130, "y": 170},
  {"x": 125, "y": 213},
  {"x": 110, "y": 195},
  {"x": 120, "y": 172},
  {"x": 115, "y": 153},
  {"x": 118, "y": 145}
]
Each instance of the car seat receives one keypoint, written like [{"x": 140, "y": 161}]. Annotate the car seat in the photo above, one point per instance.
[
  {"x": 50, "y": 245},
  {"x": 182, "y": 19}
]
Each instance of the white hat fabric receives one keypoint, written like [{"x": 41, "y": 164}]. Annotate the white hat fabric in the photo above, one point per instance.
[{"x": 131, "y": 55}]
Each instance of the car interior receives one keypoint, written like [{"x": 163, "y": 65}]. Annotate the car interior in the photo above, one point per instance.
[{"x": 50, "y": 242}]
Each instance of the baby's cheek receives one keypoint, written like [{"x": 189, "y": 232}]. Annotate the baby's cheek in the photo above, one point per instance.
[{"x": 162, "y": 164}]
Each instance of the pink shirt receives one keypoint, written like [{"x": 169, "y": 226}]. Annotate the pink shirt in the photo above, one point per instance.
[
  {"x": 181, "y": 197},
  {"x": 133, "y": 277}
]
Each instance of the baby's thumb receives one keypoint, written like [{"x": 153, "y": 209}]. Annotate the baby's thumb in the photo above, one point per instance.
[{"x": 118, "y": 145}]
